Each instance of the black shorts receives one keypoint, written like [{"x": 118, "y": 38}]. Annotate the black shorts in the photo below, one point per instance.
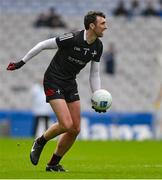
[{"x": 61, "y": 89}]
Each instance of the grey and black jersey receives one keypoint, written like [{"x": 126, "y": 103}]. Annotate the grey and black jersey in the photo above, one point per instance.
[{"x": 72, "y": 55}]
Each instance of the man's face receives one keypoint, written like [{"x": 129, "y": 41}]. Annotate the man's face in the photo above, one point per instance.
[{"x": 100, "y": 26}]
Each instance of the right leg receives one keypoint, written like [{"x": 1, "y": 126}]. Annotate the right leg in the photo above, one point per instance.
[
  {"x": 64, "y": 124},
  {"x": 66, "y": 139}
]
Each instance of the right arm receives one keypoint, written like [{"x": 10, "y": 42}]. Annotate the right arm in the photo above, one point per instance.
[{"x": 47, "y": 44}]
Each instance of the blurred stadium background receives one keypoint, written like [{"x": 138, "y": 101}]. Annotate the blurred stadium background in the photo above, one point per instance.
[{"x": 134, "y": 87}]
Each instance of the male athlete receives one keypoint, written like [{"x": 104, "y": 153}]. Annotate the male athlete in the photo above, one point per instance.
[{"x": 75, "y": 50}]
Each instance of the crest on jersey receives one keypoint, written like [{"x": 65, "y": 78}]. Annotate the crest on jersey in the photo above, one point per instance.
[{"x": 94, "y": 53}]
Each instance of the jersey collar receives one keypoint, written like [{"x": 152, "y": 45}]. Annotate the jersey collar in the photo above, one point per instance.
[{"x": 85, "y": 39}]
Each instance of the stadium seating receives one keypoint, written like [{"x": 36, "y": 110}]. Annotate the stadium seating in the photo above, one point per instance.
[
  {"x": 68, "y": 8},
  {"x": 135, "y": 83}
]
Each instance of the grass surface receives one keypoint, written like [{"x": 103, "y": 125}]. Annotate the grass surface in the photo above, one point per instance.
[{"x": 87, "y": 159}]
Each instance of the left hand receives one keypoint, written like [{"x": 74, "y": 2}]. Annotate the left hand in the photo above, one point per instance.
[{"x": 99, "y": 111}]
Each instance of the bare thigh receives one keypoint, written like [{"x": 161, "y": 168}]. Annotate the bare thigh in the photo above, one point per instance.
[
  {"x": 74, "y": 108},
  {"x": 62, "y": 112}
]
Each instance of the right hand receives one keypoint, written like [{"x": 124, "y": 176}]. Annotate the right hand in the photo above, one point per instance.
[{"x": 15, "y": 65}]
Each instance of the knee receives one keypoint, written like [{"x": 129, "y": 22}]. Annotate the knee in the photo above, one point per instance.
[
  {"x": 66, "y": 127},
  {"x": 71, "y": 129},
  {"x": 69, "y": 126},
  {"x": 75, "y": 130}
]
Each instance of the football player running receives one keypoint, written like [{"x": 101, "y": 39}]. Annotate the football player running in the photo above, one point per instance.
[{"x": 74, "y": 51}]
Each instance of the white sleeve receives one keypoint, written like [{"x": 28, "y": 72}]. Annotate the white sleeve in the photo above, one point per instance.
[
  {"x": 94, "y": 78},
  {"x": 47, "y": 44}
]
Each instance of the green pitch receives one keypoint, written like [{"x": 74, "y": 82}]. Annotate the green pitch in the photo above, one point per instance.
[{"x": 95, "y": 159}]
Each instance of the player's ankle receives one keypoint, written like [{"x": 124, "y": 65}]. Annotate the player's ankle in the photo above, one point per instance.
[
  {"x": 41, "y": 140},
  {"x": 54, "y": 160}
]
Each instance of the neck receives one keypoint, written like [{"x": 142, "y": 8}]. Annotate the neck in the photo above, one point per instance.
[{"x": 90, "y": 36}]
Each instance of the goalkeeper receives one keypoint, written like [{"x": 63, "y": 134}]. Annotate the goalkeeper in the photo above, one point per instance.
[{"x": 75, "y": 50}]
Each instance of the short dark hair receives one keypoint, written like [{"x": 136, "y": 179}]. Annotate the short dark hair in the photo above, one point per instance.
[{"x": 91, "y": 16}]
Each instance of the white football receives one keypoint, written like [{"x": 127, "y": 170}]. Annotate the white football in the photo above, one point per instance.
[{"x": 101, "y": 99}]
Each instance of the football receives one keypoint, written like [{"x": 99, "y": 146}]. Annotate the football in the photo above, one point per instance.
[{"x": 101, "y": 99}]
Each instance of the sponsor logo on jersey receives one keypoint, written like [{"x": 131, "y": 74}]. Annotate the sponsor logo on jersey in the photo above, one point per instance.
[
  {"x": 77, "y": 61},
  {"x": 77, "y": 48}
]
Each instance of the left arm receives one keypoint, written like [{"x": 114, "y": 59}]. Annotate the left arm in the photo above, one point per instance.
[
  {"x": 95, "y": 81},
  {"x": 94, "y": 78},
  {"x": 47, "y": 44}
]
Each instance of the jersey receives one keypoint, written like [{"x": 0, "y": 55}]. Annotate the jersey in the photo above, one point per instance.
[{"x": 72, "y": 55}]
